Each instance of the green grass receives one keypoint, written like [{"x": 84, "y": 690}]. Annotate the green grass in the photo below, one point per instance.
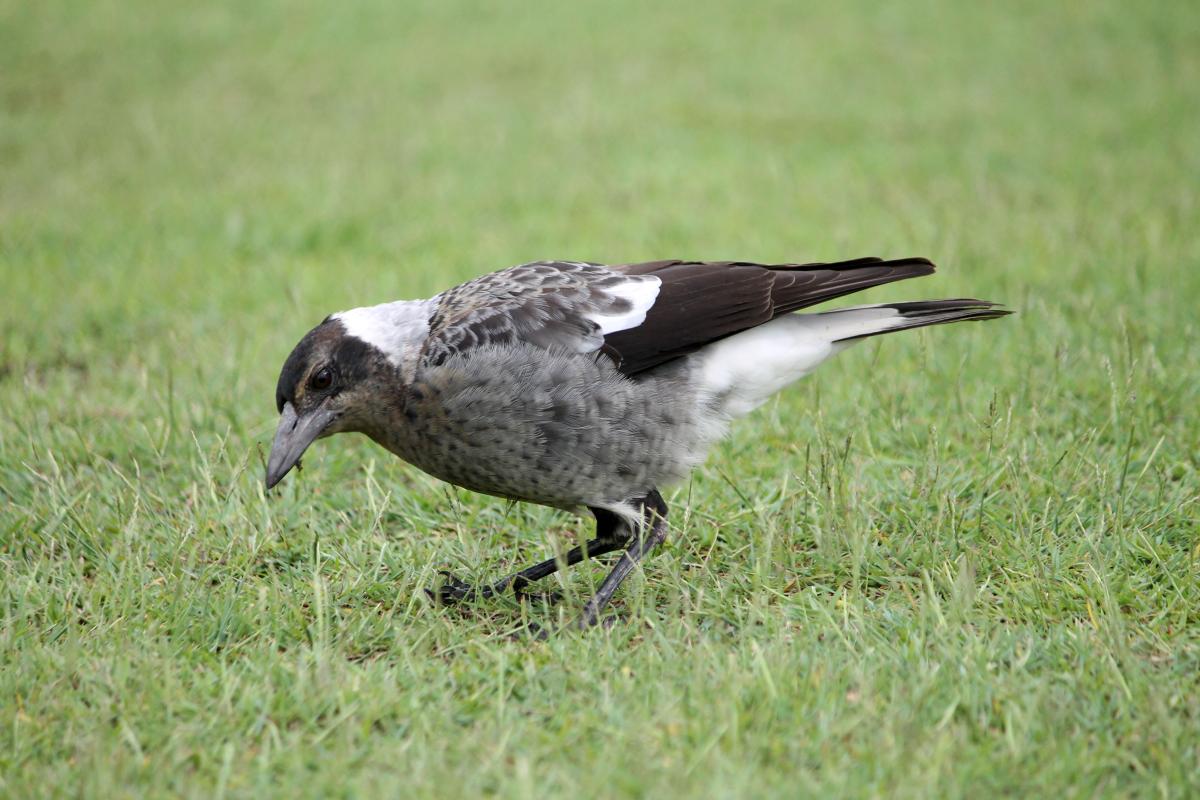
[{"x": 958, "y": 562}]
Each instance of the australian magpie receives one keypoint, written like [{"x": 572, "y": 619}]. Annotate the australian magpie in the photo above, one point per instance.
[{"x": 578, "y": 385}]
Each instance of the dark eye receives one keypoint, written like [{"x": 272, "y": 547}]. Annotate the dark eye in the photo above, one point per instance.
[{"x": 322, "y": 379}]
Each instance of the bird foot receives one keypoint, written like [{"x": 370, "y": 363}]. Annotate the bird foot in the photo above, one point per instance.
[
  {"x": 604, "y": 623},
  {"x": 452, "y": 590},
  {"x": 530, "y": 631}
]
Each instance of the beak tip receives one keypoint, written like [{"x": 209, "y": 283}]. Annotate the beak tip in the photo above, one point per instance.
[
  {"x": 275, "y": 474},
  {"x": 292, "y": 438}
]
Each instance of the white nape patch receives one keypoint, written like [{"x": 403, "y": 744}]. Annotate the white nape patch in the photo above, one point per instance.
[
  {"x": 395, "y": 329},
  {"x": 641, "y": 292},
  {"x": 740, "y": 373}
]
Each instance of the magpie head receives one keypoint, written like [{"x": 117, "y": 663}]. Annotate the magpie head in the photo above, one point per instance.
[{"x": 324, "y": 388}]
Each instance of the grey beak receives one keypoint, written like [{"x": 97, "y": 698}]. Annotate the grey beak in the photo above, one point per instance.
[{"x": 292, "y": 438}]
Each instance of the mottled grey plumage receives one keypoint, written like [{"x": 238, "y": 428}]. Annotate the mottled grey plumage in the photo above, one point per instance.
[
  {"x": 546, "y": 426},
  {"x": 548, "y": 304},
  {"x": 576, "y": 385}
]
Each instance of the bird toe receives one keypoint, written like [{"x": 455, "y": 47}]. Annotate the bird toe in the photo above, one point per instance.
[
  {"x": 530, "y": 631},
  {"x": 451, "y": 590}
]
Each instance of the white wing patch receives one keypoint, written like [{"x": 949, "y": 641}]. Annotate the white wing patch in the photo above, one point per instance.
[{"x": 641, "y": 294}]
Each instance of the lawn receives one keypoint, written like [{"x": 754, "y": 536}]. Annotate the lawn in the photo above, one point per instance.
[{"x": 956, "y": 562}]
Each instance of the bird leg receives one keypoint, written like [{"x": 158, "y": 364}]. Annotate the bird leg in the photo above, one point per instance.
[
  {"x": 651, "y": 534},
  {"x": 611, "y": 534}
]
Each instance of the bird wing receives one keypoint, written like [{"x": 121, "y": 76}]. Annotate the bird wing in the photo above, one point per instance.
[
  {"x": 644, "y": 314},
  {"x": 700, "y": 302},
  {"x": 563, "y": 305}
]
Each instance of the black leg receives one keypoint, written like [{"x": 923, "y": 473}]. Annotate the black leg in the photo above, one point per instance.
[
  {"x": 611, "y": 534},
  {"x": 651, "y": 535}
]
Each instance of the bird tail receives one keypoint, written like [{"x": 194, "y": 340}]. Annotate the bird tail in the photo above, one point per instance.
[
  {"x": 737, "y": 374},
  {"x": 860, "y": 322}
]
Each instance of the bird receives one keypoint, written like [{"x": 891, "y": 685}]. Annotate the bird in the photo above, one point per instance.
[{"x": 578, "y": 385}]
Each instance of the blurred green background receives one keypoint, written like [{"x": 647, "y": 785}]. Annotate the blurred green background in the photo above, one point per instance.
[{"x": 955, "y": 562}]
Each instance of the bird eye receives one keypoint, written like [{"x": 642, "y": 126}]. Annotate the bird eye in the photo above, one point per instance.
[{"x": 322, "y": 379}]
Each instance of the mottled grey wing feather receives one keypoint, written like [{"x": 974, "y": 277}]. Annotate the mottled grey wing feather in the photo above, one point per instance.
[
  {"x": 702, "y": 301},
  {"x": 546, "y": 303}
]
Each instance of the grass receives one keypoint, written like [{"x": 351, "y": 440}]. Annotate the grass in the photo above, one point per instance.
[{"x": 958, "y": 562}]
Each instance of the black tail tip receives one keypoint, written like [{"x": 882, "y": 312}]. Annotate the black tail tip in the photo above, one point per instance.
[{"x": 953, "y": 310}]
